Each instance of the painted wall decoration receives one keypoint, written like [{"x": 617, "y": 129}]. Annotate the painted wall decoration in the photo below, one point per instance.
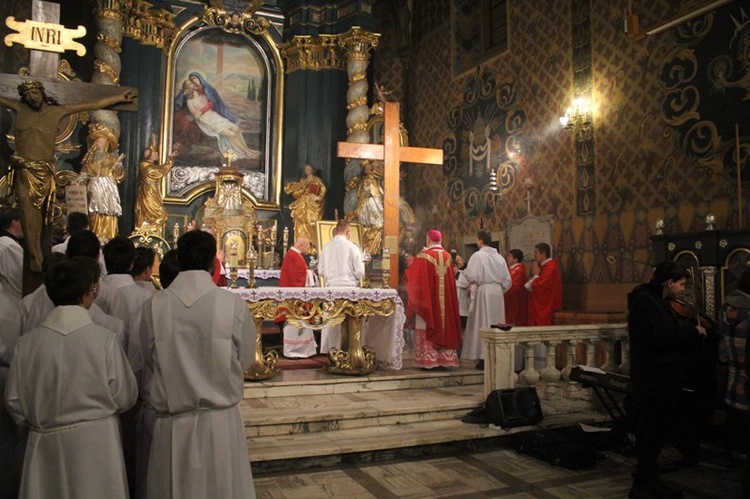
[
  {"x": 486, "y": 136},
  {"x": 221, "y": 103},
  {"x": 706, "y": 81}
]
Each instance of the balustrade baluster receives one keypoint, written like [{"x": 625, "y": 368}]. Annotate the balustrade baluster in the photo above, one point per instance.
[
  {"x": 529, "y": 375},
  {"x": 551, "y": 373}
]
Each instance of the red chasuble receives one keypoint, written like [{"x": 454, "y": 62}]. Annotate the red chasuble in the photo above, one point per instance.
[
  {"x": 516, "y": 298},
  {"x": 432, "y": 296},
  {"x": 293, "y": 274},
  {"x": 218, "y": 278},
  {"x": 546, "y": 295}
]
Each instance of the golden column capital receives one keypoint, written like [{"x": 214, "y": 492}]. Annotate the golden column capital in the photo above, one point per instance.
[{"x": 357, "y": 43}]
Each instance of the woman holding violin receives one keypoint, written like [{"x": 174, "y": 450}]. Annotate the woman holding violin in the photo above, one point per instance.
[{"x": 658, "y": 345}]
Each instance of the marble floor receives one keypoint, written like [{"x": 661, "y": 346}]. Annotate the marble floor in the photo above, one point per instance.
[{"x": 500, "y": 472}]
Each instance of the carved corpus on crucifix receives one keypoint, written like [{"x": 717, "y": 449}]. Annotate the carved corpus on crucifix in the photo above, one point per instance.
[
  {"x": 37, "y": 117},
  {"x": 392, "y": 154}
]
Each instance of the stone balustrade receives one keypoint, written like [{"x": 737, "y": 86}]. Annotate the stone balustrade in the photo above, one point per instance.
[{"x": 501, "y": 346}]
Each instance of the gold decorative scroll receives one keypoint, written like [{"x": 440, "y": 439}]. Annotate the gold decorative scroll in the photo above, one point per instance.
[{"x": 49, "y": 37}]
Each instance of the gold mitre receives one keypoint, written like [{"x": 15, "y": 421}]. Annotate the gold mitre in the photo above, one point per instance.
[
  {"x": 29, "y": 85},
  {"x": 98, "y": 130}
]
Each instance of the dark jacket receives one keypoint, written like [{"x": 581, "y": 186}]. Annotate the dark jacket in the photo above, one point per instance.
[{"x": 658, "y": 342}]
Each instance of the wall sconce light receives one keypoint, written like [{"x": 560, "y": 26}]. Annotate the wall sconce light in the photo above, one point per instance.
[{"x": 577, "y": 118}]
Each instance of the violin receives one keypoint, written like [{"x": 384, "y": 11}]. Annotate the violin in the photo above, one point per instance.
[{"x": 685, "y": 310}]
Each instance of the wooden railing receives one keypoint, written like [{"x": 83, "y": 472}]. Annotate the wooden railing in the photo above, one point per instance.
[{"x": 583, "y": 344}]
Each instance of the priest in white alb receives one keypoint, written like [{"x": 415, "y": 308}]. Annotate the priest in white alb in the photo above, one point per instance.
[
  {"x": 340, "y": 266},
  {"x": 488, "y": 277}
]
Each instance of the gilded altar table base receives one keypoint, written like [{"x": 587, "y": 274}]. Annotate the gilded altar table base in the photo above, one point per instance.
[
  {"x": 352, "y": 358},
  {"x": 264, "y": 365}
]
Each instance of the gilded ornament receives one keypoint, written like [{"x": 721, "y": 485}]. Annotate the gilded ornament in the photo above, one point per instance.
[
  {"x": 105, "y": 68},
  {"x": 671, "y": 246},
  {"x": 698, "y": 245},
  {"x": 723, "y": 243}
]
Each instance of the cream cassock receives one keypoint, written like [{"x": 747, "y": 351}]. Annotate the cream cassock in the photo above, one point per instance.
[
  {"x": 68, "y": 380},
  {"x": 197, "y": 341}
]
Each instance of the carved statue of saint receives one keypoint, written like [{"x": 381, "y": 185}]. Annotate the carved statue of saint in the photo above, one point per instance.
[
  {"x": 369, "y": 211},
  {"x": 103, "y": 170},
  {"x": 32, "y": 168},
  {"x": 149, "y": 205},
  {"x": 309, "y": 202}
]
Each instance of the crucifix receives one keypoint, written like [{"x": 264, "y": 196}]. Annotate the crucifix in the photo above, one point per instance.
[
  {"x": 392, "y": 154},
  {"x": 37, "y": 119},
  {"x": 46, "y": 39}
]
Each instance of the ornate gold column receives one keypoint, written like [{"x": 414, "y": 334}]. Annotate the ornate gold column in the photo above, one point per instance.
[
  {"x": 357, "y": 45},
  {"x": 107, "y": 65}
]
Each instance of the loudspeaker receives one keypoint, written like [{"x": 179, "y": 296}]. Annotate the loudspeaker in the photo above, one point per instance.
[{"x": 514, "y": 407}]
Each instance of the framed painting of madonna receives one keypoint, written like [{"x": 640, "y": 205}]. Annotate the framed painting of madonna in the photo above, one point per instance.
[{"x": 223, "y": 102}]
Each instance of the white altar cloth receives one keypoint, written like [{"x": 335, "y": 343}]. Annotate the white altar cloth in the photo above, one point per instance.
[
  {"x": 384, "y": 333},
  {"x": 259, "y": 273}
]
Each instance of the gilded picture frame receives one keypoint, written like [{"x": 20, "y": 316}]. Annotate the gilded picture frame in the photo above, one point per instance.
[
  {"x": 223, "y": 92},
  {"x": 324, "y": 231}
]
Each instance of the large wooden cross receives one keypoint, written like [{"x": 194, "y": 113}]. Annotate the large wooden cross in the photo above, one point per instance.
[{"x": 392, "y": 154}]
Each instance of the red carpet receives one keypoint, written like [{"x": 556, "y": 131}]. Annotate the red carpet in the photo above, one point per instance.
[{"x": 315, "y": 362}]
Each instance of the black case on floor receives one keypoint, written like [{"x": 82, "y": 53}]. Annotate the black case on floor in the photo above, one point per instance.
[{"x": 556, "y": 448}]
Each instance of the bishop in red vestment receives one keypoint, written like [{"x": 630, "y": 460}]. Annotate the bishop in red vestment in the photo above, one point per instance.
[
  {"x": 545, "y": 288},
  {"x": 516, "y": 298},
  {"x": 434, "y": 301}
]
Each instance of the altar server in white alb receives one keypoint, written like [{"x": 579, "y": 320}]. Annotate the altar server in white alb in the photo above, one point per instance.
[
  {"x": 11, "y": 252},
  {"x": 198, "y": 340},
  {"x": 37, "y": 305},
  {"x": 68, "y": 380},
  {"x": 488, "y": 277},
  {"x": 340, "y": 266},
  {"x": 125, "y": 301},
  {"x": 11, "y": 441}
]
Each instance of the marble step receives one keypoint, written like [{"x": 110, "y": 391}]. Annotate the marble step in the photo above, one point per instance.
[
  {"x": 319, "y": 382},
  {"x": 333, "y": 412},
  {"x": 330, "y": 446}
]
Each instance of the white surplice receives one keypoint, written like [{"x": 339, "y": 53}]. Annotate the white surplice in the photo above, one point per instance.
[
  {"x": 198, "y": 340},
  {"x": 340, "y": 265},
  {"x": 488, "y": 273},
  {"x": 11, "y": 266},
  {"x": 36, "y": 307},
  {"x": 68, "y": 380},
  {"x": 126, "y": 303}
]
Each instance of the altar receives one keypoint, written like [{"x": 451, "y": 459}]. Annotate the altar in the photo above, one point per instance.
[{"x": 378, "y": 344}]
